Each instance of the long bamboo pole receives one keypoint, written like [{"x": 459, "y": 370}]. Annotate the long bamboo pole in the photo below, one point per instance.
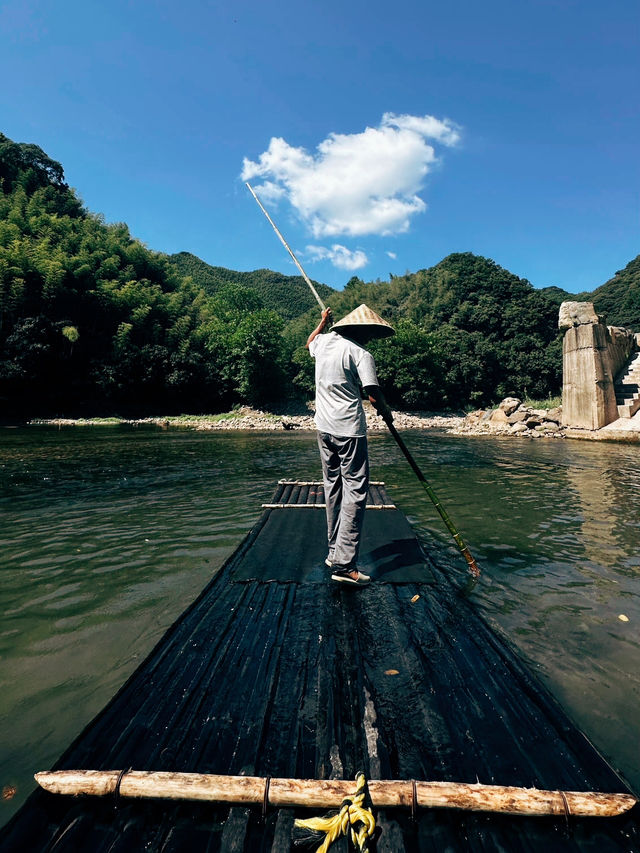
[
  {"x": 286, "y": 245},
  {"x": 473, "y": 566},
  {"x": 323, "y": 793}
]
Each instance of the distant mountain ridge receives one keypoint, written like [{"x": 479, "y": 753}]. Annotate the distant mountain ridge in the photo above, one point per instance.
[
  {"x": 288, "y": 295},
  {"x": 618, "y": 299}
]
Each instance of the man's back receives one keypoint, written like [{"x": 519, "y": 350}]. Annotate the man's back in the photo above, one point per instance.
[{"x": 342, "y": 366}]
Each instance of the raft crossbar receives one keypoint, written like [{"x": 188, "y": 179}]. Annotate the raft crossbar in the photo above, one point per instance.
[
  {"x": 319, "y": 482},
  {"x": 328, "y": 793},
  {"x": 322, "y": 506}
]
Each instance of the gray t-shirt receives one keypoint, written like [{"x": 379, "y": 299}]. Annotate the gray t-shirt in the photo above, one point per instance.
[{"x": 341, "y": 367}]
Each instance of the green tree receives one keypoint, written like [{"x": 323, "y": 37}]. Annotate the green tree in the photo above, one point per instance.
[
  {"x": 409, "y": 367},
  {"x": 257, "y": 358}
]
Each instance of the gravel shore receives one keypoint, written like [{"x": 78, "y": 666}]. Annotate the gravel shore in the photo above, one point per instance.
[
  {"x": 510, "y": 418},
  {"x": 247, "y": 418}
]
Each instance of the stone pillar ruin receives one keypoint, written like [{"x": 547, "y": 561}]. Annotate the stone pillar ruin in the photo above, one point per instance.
[{"x": 592, "y": 355}]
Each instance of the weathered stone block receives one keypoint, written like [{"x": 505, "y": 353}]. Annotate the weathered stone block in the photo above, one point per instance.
[
  {"x": 622, "y": 345},
  {"x": 588, "y": 396},
  {"x": 576, "y": 314}
]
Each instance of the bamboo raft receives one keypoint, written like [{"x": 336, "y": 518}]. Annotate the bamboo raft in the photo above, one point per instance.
[{"x": 279, "y": 686}]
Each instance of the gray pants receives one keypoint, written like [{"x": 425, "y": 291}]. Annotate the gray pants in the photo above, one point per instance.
[{"x": 345, "y": 471}]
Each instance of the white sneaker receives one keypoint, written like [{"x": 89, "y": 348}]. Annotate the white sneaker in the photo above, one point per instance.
[{"x": 345, "y": 578}]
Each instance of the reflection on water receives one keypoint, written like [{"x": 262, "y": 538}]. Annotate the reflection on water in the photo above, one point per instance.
[{"x": 106, "y": 535}]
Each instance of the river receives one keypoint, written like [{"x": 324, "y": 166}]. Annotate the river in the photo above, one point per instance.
[{"x": 107, "y": 534}]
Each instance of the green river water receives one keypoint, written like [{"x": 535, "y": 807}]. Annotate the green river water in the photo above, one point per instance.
[{"x": 107, "y": 534}]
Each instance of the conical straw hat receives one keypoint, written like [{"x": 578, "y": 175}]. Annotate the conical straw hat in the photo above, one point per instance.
[{"x": 363, "y": 317}]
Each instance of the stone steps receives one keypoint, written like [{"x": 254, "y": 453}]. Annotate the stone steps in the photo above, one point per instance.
[{"x": 627, "y": 389}]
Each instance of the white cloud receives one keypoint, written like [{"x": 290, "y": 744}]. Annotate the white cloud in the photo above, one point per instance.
[
  {"x": 340, "y": 256},
  {"x": 432, "y": 128},
  {"x": 355, "y": 184},
  {"x": 392, "y": 255}
]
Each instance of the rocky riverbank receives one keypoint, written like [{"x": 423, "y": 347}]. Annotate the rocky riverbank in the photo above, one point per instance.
[
  {"x": 513, "y": 417},
  {"x": 247, "y": 418}
]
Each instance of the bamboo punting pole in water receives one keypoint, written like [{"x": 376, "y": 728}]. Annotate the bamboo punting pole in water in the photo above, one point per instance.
[
  {"x": 322, "y": 793},
  {"x": 444, "y": 515}
]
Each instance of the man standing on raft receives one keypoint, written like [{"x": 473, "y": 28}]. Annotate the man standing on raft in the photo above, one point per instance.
[{"x": 342, "y": 366}]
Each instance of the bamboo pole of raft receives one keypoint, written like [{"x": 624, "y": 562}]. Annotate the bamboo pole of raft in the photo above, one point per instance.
[{"x": 322, "y": 793}]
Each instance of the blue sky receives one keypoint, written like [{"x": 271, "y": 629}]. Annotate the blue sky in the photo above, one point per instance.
[{"x": 383, "y": 135}]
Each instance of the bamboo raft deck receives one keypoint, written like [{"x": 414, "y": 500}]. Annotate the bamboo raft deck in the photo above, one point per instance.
[{"x": 275, "y": 671}]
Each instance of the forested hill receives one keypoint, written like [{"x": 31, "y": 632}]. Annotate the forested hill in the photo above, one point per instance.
[
  {"x": 93, "y": 322},
  {"x": 468, "y": 331},
  {"x": 619, "y": 298},
  {"x": 288, "y": 295}
]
